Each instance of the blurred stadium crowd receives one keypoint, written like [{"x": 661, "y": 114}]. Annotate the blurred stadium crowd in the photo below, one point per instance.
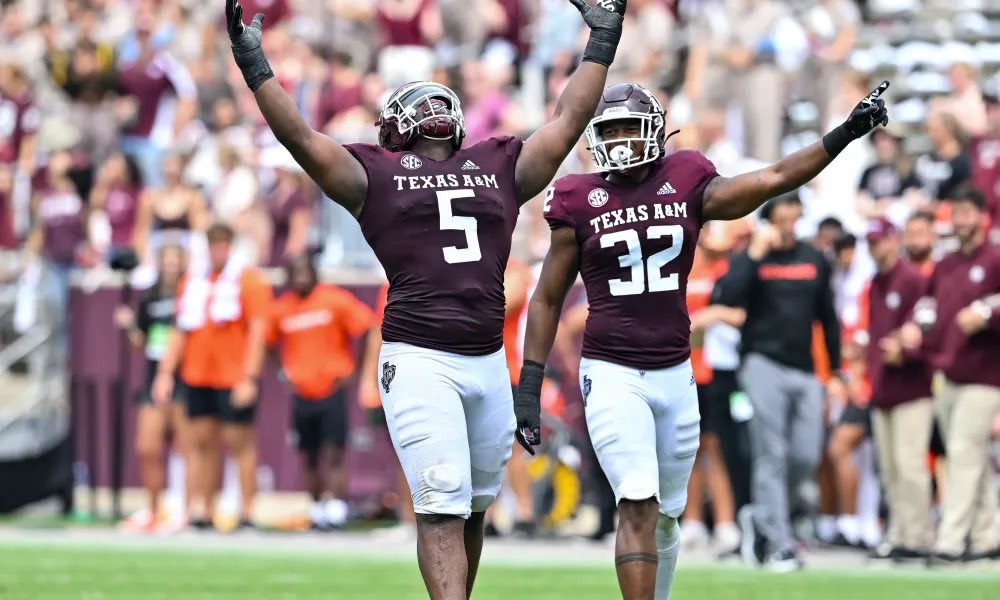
[{"x": 125, "y": 127}]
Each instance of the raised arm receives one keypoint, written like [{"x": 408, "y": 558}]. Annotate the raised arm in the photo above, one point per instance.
[
  {"x": 546, "y": 149},
  {"x": 329, "y": 164},
  {"x": 732, "y": 198},
  {"x": 559, "y": 271}
]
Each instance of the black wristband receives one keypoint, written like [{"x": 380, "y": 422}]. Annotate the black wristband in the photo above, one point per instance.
[
  {"x": 601, "y": 47},
  {"x": 835, "y": 141},
  {"x": 254, "y": 66},
  {"x": 532, "y": 375}
]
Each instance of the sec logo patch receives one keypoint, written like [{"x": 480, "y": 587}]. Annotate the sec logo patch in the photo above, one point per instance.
[
  {"x": 411, "y": 162},
  {"x": 597, "y": 197}
]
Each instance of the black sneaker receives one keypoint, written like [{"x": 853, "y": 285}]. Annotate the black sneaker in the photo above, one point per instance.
[
  {"x": 245, "y": 524},
  {"x": 901, "y": 555},
  {"x": 783, "y": 561},
  {"x": 993, "y": 554},
  {"x": 524, "y": 529},
  {"x": 202, "y": 524},
  {"x": 491, "y": 531},
  {"x": 753, "y": 546},
  {"x": 944, "y": 559}
]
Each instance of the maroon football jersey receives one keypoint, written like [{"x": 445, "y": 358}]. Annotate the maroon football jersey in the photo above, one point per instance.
[
  {"x": 149, "y": 82},
  {"x": 442, "y": 232},
  {"x": 636, "y": 248},
  {"x": 19, "y": 118}
]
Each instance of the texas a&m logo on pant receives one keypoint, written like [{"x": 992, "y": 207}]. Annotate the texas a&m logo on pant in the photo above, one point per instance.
[
  {"x": 388, "y": 372},
  {"x": 586, "y": 389}
]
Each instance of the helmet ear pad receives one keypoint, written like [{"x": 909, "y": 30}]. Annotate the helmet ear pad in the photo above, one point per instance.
[{"x": 389, "y": 136}]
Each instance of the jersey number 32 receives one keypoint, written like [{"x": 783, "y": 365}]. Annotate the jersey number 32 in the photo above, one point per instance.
[{"x": 645, "y": 274}]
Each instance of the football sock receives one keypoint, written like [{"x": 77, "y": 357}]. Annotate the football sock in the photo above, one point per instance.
[{"x": 668, "y": 545}]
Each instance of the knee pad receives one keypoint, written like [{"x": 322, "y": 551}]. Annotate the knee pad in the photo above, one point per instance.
[
  {"x": 442, "y": 489},
  {"x": 667, "y": 532},
  {"x": 485, "y": 487}
]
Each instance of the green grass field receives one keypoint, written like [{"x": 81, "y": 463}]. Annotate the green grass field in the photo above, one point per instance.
[{"x": 46, "y": 571}]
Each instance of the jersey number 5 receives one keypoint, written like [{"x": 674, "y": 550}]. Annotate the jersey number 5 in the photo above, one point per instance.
[
  {"x": 651, "y": 271},
  {"x": 454, "y": 254}
]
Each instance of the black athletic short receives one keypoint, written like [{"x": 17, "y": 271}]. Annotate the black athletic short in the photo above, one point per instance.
[
  {"x": 210, "y": 402},
  {"x": 145, "y": 396},
  {"x": 319, "y": 422},
  {"x": 855, "y": 415},
  {"x": 709, "y": 405}
]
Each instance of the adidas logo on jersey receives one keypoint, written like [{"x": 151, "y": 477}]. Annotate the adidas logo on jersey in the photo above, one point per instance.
[
  {"x": 666, "y": 189},
  {"x": 470, "y": 166}
]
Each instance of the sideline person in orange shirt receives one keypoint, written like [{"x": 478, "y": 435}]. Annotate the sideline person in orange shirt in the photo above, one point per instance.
[
  {"x": 315, "y": 326},
  {"x": 370, "y": 400},
  {"x": 516, "y": 282},
  {"x": 709, "y": 474},
  {"x": 218, "y": 343}
]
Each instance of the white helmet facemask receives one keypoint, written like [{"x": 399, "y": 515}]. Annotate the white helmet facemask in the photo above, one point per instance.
[{"x": 618, "y": 154}]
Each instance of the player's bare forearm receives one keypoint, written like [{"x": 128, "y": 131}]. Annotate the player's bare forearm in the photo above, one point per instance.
[
  {"x": 283, "y": 118},
  {"x": 733, "y": 198},
  {"x": 172, "y": 353},
  {"x": 558, "y": 273},
  {"x": 728, "y": 198},
  {"x": 327, "y": 163},
  {"x": 546, "y": 149},
  {"x": 256, "y": 348},
  {"x": 369, "y": 362},
  {"x": 332, "y": 167},
  {"x": 540, "y": 332}
]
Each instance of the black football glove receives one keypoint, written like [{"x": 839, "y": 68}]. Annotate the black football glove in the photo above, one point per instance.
[
  {"x": 605, "y": 21},
  {"x": 245, "y": 42},
  {"x": 867, "y": 115},
  {"x": 528, "y": 406}
]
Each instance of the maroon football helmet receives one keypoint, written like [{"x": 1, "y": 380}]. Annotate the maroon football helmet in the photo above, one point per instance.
[
  {"x": 626, "y": 102},
  {"x": 420, "y": 109}
]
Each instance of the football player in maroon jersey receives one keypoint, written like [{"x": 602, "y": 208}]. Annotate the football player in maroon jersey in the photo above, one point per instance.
[
  {"x": 631, "y": 232},
  {"x": 440, "y": 217}
]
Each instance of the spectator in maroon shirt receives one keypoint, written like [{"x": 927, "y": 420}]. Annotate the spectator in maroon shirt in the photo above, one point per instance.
[
  {"x": 340, "y": 92},
  {"x": 8, "y": 239},
  {"x": 919, "y": 239},
  {"x": 484, "y": 100},
  {"x": 58, "y": 235},
  {"x": 961, "y": 316},
  {"x": 148, "y": 81},
  {"x": 902, "y": 409},
  {"x": 116, "y": 194},
  {"x": 19, "y": 118},
  {"x": 985, "y": 155},
  {"x": 406, "y": 30},
  {"x": 290, "y": 207}
]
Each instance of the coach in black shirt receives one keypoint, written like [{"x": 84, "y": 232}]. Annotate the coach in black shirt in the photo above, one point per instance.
[{"x": 784, "y": 285}]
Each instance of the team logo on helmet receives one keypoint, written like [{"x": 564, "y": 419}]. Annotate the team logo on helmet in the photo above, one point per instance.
[
  {"x": 411, "y": 162},
  {"x": 597, "y": 197}
]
